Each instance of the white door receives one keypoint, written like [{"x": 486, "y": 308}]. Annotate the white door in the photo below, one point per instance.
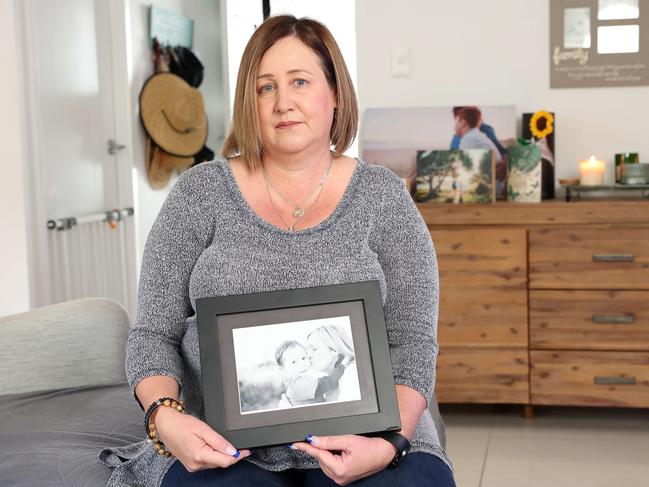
[{"x": 76, "y": 164}]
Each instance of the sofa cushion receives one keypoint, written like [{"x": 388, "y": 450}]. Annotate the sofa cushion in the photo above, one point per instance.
[
  {"x": 53, "y": 438},
  {"x": 72, "y": 344}
]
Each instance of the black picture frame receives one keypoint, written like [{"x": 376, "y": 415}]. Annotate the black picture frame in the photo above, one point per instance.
[{"x": 217, "y": 317}]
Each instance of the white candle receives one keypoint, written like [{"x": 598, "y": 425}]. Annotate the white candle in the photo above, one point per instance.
[{"x": 591, "y": 172}]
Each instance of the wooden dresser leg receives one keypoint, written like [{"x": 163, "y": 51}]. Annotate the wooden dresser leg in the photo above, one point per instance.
[{"x": 527, "y": 411}]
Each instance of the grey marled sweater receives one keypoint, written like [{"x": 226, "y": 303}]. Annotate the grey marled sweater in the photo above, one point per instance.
[{"x": 207, "y": 241}]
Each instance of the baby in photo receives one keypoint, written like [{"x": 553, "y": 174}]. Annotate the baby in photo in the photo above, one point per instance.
[{"x": 303, "y": 384}]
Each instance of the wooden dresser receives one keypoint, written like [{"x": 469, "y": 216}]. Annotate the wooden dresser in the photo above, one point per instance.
[{"x": 543, "y": 303}]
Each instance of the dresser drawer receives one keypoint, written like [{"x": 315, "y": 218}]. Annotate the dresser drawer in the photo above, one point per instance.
[
  {"x": 589, "y": 320},
  {"x": 482, "y": 258},
  {"x": 483, "y": 287},
  {"x": 589, "y": 258},
  {"x": 482, "y": 317},
  {"x": 590, "y": 378},
  {"x": 482, "y": 376}
]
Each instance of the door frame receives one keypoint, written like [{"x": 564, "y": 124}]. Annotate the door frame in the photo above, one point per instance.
[{"x": 37, "y": 236}]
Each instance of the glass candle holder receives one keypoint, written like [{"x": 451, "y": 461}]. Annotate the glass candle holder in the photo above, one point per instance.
[
  {"x": 591, "y": 172},
  {"x": 621, "y": 160}
]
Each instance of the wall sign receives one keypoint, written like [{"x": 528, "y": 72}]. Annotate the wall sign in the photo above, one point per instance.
[
  {"x": 599, "y": 43},
  {"x": 170, "y": 28}
]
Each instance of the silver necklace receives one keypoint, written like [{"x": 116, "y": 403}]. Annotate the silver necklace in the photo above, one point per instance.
[
  {"x": 298, "y": 210},
  {"x": 291, "y": 228}
]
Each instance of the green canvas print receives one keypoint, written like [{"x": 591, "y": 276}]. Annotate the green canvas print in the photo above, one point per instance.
[{"x": 524, "y": 180}]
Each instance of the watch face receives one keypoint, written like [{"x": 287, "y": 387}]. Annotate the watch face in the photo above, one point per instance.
[{"x": 397, "y": 459}]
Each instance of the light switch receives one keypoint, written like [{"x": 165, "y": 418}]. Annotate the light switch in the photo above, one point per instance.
[{"x": 400, "y": 61}]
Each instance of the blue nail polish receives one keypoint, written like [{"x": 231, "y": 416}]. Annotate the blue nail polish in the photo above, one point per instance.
[
  {"x": 309, "y": 438},
  {"x": 237, "y": 454},
  {"x": 291, "y": 446}
]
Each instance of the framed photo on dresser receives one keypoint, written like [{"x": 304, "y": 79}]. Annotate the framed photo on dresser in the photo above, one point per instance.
[
  {"x": 456, "y": 176},
  {"x": 279, "y": 365}
]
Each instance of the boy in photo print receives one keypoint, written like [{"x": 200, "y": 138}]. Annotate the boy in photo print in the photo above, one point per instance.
[{"x": 303, "y": 384}]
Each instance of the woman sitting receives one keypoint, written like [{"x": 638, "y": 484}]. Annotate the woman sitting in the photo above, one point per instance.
[{"x": 284, "y": 209}]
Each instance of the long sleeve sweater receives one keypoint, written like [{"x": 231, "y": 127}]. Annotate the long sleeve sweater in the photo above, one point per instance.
[{"x": 207, "y": 241}]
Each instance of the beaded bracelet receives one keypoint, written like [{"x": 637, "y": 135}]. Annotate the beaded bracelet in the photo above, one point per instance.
[{"x": 152, "y": 433}]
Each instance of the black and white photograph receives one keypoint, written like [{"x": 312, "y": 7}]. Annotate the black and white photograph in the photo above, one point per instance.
[
  {"x": 295, "y": 364},
  {"x": 279, "y": 365}
]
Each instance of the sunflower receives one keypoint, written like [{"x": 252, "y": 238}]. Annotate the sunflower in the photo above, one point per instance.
[{"x": 541, "y": 124}]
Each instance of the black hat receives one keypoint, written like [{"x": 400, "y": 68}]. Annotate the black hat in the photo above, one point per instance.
[{"x": 185, "y": 64}]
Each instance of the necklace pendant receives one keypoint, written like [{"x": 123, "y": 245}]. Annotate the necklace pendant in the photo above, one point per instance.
[{"x": 298, "y": 212}]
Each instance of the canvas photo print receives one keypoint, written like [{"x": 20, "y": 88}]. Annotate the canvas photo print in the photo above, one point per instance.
[
  {"x": 455, "y": 176},
  {"x": 392, "y": 137},
  {"x": 295, "y": 364}
]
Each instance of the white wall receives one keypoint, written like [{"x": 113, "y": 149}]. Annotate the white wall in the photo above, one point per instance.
[
  {"x": 486, "y": 53},
  {"x": 242, "y": 18},
  {"x": 208, "y": 46},
  {"x": 14, "y": 285}
]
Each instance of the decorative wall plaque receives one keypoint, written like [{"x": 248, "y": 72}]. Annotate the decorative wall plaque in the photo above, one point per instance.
[{"x": 596, "y": 43}]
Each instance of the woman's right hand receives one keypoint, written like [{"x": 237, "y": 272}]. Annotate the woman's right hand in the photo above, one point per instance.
[{"x": 193, "y": 442}]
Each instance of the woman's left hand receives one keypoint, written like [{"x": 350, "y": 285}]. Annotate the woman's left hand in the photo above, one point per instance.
[{"x": 347, "y": 458}]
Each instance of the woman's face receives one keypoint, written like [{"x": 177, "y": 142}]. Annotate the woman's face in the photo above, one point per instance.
[
  {"x": 323, "y": 358},
  {"x": 294, "y": 100}
]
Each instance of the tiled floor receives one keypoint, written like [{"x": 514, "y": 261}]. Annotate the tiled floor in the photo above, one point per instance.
[{"x": 559, "y": 447}]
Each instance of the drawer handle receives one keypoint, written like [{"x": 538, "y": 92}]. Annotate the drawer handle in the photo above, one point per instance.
[
  {"x": 607, "y": 381},
  {"x": 604, "y": 319},
  {"x": 613, "y": 258}
]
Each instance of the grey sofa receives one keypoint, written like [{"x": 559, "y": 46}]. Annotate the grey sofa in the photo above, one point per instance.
[{"x": 63, "y": 394}]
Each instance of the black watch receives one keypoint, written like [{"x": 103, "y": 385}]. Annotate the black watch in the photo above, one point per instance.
[{"x": 399, "y": 441}]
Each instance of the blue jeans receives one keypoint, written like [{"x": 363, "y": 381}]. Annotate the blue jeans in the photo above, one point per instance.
[{"x": 416, "y": 469}]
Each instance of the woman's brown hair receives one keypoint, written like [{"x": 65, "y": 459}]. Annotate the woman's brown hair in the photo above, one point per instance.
[{"x": 243, "y": 137}]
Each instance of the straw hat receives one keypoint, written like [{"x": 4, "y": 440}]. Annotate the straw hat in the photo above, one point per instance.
[
  {"x": 173, "y": 114},
  {"x": 160, "y": 165}
]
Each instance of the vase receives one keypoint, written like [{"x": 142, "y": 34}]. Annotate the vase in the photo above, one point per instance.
[
  {"x": 547, "y": 156},
  {"x": 525, "y": 169}
]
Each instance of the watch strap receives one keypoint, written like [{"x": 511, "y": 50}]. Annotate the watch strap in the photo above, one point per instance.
[{"x": 399, "y": 441}]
